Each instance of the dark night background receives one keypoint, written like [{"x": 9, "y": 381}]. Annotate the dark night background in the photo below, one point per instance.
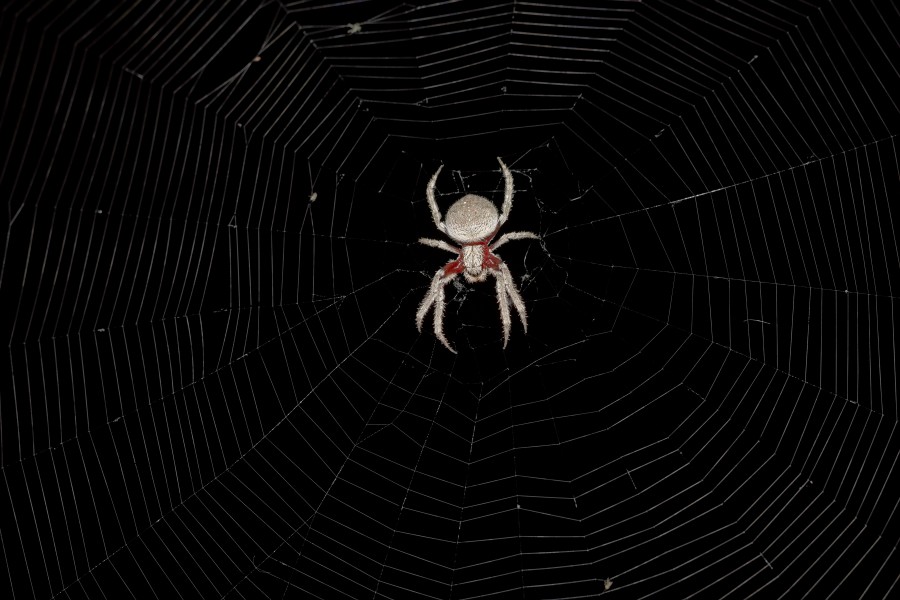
[{"x": 215, "y": 387}]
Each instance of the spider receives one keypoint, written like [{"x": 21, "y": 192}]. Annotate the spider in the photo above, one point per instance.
[{"x": 472, "y": 222}]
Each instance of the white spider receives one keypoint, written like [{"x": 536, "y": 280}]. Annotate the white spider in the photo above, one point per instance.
[{"x": 472, "y": 222}]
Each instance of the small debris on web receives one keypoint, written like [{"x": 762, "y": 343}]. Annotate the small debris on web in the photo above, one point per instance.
[{"x": 353, "y": 28}]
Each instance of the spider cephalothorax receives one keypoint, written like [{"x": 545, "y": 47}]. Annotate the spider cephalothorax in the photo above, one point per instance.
[{"x": 472, "y": 222}]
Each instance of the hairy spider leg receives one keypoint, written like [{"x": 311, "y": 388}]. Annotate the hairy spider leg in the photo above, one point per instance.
[
  {"x": 508, "y": 192},
  {"x": 514, "y": 295},
  {"x": 435, "y": 296},
  {"x": 503, "y": 303},
  {"x": 439, "y": 317}
]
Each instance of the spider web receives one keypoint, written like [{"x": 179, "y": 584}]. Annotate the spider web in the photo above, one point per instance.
[{"x": 215, "y": 387}]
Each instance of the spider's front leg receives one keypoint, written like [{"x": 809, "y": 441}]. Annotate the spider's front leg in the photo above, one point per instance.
[
  {"x": 435, "y": 296},
  {"x": 514, "y": 295},
  {"x": 503, "y": 302},
  {"x": 508, "y": 293}
]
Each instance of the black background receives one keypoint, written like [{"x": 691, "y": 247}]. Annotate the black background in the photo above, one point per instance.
[{"x": 215, "y": 386}]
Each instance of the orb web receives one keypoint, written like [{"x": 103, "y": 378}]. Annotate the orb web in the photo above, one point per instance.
[{"x": 215, "y": 387}]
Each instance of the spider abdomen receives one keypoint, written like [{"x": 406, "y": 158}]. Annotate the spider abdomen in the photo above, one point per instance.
[{"x": 471, "y": 218}]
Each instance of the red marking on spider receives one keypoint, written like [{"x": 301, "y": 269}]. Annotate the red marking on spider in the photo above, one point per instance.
[
  {"x": 489, "y": 261},
  {"x": 454, "y": 267}
]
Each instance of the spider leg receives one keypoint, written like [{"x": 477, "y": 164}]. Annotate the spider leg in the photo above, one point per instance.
[
  {"x": 435, "y": 296},
  {"x": 439, "y": 316},
  {"x": 432, "y": 203},
  {"x": 507, "y": 193},
  {"x": 514, "y": 235},
  {"x": 439, "y": 244},
  {"x": 514, "y": 295},
  {"x": 503, "y": 302},
  {"x": 428, "y": 300}
]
